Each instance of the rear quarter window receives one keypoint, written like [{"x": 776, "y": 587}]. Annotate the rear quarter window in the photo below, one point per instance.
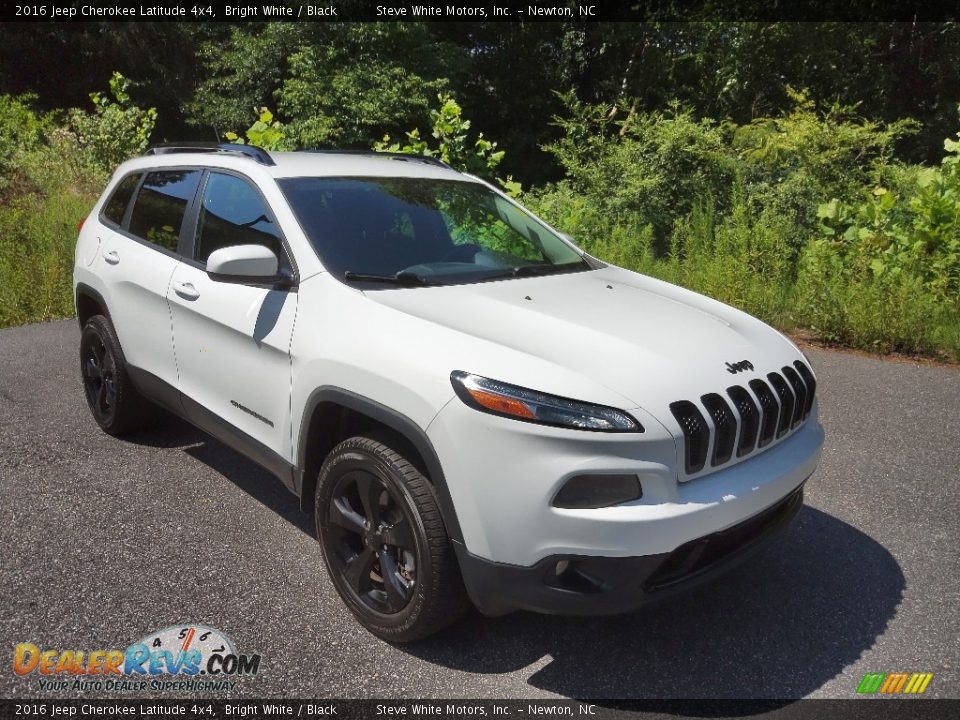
[
  {"x": 161, "y": 205},
  {"x": 116, "y": 206}
]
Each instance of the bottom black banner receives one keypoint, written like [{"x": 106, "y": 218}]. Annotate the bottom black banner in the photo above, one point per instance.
[{"x": 859, "y": 709}]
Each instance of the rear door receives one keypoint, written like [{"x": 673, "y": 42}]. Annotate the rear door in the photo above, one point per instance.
[
  {"x": 232, "y": 339},
  {"x": 137, "y": 258}
]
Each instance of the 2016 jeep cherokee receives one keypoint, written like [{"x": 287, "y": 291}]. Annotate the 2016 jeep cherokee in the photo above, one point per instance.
[{"x": 473, "y": 408}]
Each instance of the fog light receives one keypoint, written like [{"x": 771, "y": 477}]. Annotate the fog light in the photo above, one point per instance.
[
  {"x": 562, "y": 567},
  {"x": 597, "y": 491}
]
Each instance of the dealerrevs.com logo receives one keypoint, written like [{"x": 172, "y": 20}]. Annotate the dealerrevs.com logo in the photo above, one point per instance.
[{"x": 186, "y": 657}]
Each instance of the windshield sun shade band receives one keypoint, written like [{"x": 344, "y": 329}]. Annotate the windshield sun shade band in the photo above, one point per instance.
[{"x": 499, "y": 398}]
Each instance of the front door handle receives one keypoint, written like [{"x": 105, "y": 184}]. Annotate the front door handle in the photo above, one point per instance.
[
  {"x": 111, "y": 256},
  {"x": 186, "y": 290}
]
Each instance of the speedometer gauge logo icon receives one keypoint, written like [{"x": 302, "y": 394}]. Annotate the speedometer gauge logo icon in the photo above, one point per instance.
[{"x": 196, "y": 642}]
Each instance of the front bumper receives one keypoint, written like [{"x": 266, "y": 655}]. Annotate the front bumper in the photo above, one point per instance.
[
  {"x": 502, "y": 476},
  {"x": 591, "y": 585}
]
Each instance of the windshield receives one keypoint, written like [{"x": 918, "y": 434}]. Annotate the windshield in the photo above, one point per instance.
[{"x": 422, "y": 231}]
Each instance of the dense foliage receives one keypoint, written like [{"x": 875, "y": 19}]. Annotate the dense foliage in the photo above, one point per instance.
[
  {"x": 806, "y": 220},
  {"x": 798, "y": 171},
  {"x": 52, "y": 167}
]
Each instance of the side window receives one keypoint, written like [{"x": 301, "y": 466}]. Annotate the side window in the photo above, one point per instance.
[
  {"x": 233, "y": 213},
  {"x": 161, "y": 204},
  {"x": 116, "y": 206}
]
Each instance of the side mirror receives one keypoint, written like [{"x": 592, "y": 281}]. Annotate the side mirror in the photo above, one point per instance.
[{"x": 244, "y": 264}]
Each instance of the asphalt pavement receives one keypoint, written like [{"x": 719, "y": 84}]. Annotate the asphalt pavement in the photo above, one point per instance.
[{"x": 103, "y": 541}]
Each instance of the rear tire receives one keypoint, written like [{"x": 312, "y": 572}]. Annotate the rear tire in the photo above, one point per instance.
[
  {"x": 113, "y": 400},
  {"x": 384, "y": 541}
]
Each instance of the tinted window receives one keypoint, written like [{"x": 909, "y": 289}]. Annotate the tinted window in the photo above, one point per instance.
[
  {"x": 233, "y": 213},
  {"x": 117, "y": 204},
  {"x": 440, "y": 230},
  {"x": 161, "y": 205}
]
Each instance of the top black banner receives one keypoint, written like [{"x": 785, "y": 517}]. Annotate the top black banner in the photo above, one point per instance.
[{"x": 578, "y": 11}]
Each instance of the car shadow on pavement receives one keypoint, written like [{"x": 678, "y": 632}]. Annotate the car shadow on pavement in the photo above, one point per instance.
[
  {"x": 777, "y": 627},
  {"x": 174, "y": 432}
]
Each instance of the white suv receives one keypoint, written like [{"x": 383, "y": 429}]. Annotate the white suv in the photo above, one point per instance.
[{"x": 473, "y": 408}]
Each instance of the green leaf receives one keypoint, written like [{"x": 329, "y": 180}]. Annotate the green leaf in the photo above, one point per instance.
[{"x": 828, "y": 210}]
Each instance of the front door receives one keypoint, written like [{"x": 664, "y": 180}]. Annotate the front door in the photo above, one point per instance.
[{"x": 232, "y": 340}]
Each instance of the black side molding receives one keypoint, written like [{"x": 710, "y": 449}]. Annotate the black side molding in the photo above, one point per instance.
[{"x": 170, "y": 398}]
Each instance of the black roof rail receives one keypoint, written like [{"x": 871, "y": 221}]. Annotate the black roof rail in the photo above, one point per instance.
[
  {"x": 255, "y": 153},
  {"x": 408, "y": 157}
]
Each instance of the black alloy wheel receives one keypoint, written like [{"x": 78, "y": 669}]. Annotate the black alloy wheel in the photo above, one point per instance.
[
  {"x": 374, "y": 548},
  {"x": 113, "y": 400},
  {"x": 99, "y": 370},
  {"x": 384, "y": 541}
]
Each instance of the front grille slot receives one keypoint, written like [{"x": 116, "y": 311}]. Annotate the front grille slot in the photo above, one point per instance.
[
  {"x": 810, "y": 383},
  {"x": 749, "y": 419},
  {"x": 725, "y": 427},
  {"x": 786, "y": 402},
  {"x": 696, "y": 434},
  {"x": 770, "y": 408},
  {"x": 799, "y": 390}
]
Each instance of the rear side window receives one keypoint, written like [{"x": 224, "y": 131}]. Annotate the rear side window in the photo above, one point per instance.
[
  {"x": 117, "y": 204},
  {"x": 233, "y": 213},
  {"x": 161, "y": 204}
]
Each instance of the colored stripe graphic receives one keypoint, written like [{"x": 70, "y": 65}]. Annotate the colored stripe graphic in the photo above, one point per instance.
[
  {"x": 925, "y": 679},
  {"x": 870, "y": 683},
  {"x": 894, "y": 683}
]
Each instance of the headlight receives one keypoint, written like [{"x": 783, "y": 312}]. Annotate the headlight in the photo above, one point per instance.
[{"x": 499, "y": 398}]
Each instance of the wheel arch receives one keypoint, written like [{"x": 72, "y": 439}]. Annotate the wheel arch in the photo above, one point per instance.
[
  {"x": 89, "y": 302},
  {"x": 333, "y": 414}
]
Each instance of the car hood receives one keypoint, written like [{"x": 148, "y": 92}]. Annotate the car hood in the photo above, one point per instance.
[{"x": 650, "y": 342}]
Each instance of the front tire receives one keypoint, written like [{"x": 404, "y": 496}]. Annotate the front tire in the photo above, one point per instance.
[
  {"x": 113, "y": 400},
  {"x": 384, "y": 542}
]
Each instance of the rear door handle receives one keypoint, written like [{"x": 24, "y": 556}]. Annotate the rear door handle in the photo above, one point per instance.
[
  {"x": 111, "y": 256},
  {"x": 186, "y": 290}
]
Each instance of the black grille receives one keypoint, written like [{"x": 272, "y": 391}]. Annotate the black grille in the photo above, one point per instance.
[
  {"x": 786, "y": 402},
  {"x": 810, "y": 383},
  {"x": 724, "y": 426},
  {"x": 770, "y": 408},
  {"x": 696, "y": 434},
  {"x": 753, "y": 421},
  {"x": 749, "y": 418},
  {"x": 799, "y": 391}
]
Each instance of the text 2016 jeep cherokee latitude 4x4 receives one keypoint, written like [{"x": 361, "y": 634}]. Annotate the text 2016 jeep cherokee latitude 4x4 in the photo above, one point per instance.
[{"x": 471, "y": 406}]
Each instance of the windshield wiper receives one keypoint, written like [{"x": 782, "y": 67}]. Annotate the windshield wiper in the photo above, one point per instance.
[
  {"x": 539, "y": 269},
  {"x": 403, "y": 277}
]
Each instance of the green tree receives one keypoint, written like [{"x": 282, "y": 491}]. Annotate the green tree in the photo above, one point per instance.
[
  {"x": 265, "y": 133},
  {"x": 450, "y": 142},
  {"x": 116, "y": 130},
  {"x": 374, "y": 78}
]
